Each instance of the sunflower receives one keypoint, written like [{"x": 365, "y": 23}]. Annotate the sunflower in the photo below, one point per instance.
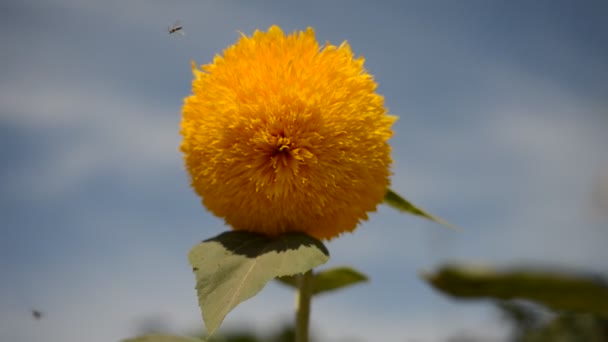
[{"x": 282, "y": 135}]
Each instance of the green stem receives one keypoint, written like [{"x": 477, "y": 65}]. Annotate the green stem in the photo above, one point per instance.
[{"x": 303, "y": 306}]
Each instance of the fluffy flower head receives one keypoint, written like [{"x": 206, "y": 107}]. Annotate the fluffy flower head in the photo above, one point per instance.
[{"x": 281, "y": 135}]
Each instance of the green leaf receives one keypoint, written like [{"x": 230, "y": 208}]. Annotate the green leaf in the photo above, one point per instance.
[
  {"x": 394, "y": 200},
  {"x": 161, "y": 338},
  {"x": 559, "y": 291},
  {"x": 329, "y": 279},
  {"x": 234, "y": 266}
]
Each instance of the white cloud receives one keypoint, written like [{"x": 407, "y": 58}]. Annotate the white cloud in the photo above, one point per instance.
[{"x": 87, "y": 132}]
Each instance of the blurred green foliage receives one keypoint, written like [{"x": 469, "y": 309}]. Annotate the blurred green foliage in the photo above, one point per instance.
[
  {"x": 284, "y": 334},
  {"x": 530, "y": 325},
  {"x": 540, "y": 305},
  {"x": 558, "y": 290}
]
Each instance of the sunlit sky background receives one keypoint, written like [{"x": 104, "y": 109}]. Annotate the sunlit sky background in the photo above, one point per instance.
[{"x": 502, "y": 131}]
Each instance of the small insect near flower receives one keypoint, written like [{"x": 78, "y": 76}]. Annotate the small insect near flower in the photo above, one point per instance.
[
  {"x": 177, "y": 27},
  {"x": 37, "y": 314}
]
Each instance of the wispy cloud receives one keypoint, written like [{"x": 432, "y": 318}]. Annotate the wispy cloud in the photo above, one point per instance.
[{"x": 84, "y": 132}]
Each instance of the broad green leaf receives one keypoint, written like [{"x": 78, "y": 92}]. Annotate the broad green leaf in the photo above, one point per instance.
[
  {"x": 234, "y": 266},
  {"x": 161, "y": 338},
  {"x": 559, "y": 291},
  {"x": 394, "y": 200},
  {"x": 329, "y": 279}
]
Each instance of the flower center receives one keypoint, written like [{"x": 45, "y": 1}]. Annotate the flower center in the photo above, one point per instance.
[
  {"x": 282, "y": 158},
  {"x": 283, "y": 145}
]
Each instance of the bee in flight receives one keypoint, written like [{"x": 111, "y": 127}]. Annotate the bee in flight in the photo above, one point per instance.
[
  {"x": 176, "y": 28},
  {"x": 37, "y": 314}
]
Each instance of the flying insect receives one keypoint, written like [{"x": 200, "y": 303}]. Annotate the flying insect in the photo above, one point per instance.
[
  {"x": 37, "y": 314},
  {"x": 176, "y": 28}
]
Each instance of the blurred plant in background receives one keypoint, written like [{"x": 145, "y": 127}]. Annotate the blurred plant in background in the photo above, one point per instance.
[
  {"x": 540, "y": 304},
  {"x": 532, "y": 324}
]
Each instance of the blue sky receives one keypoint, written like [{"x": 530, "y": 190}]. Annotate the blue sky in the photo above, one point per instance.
[{"x": 502, "y": 131}]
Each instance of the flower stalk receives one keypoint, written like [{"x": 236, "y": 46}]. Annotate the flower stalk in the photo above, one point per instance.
[{"x": 304, "y": 297}]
